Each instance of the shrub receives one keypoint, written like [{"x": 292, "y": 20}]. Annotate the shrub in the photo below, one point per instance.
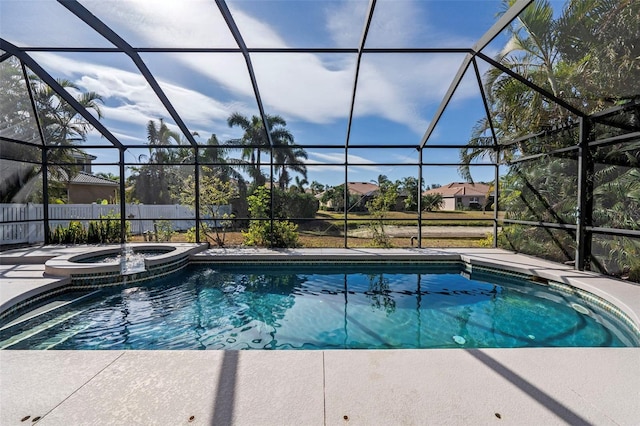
[
  {"x": 164, "y": 230},
  {"x": 295, "y": 204},
  {"x": 260, "y": 232},
  {"x": 75, "y": 233},
  {"x": 103, "y": 231},
  {"x": 191, "y": 234}
]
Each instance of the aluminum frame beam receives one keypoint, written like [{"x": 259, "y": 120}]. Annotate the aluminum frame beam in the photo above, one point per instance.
[
  {"x": 101, "y": 28},
  {"x": 504, "y": 21},
  {"x": 532, "y": 86},
  {"x": 48, "y": 79},
  {"x": 363, "y": 41},
  {"x": 251, "y": 49},
  {"x": 235, "y": 31}
]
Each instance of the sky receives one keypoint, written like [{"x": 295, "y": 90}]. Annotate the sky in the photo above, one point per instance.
[{"x": 397, "y": 94}]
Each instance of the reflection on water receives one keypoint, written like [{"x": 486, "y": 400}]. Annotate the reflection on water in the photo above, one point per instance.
[
  {"x": 380, "y": 294},
  {"x": 373, "y": 306}
]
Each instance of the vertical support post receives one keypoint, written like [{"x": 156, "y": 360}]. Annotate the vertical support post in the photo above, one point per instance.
[
  {"x": 584, "y": 212},
  {"x": 345, "y": 196},
  {"x": 496, "y": 194},
  {"x": 196, "y": 175},
  {"x": 420, "y": 149},
  {"x": 32, "y": 227},
  {"x": 271, "y": 192},
  {"x": 123, "y": 204},
  {"x": 45, "y": 194}
]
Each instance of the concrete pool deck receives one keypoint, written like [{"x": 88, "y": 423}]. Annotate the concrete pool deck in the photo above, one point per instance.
[{"x": 440, "y": 386}]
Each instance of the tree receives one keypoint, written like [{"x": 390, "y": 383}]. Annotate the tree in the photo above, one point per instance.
[
  {"x": 256, "y": 141},
  {"x": 334, "y": 197},
  {"x": 216, "y": 196},
  {"x": 589, "y": 56},
  {"x": 379, "y": 206},
  {"x": 288, "y": 156},
  {"x": 600, "y": 40},
  {"x": 109, "y": 176},
  {"x": 274, "y": 233},
  {"x": 316, "y": 187},
  {"x": 431, "y": 202},
  {"x": 153, "y": 181},
  {"x": 517, "y": 110},
  {"x": 409, "y": 187},
  {"x": 300, "y": 184},
  {"x": 62, "y": 127}
]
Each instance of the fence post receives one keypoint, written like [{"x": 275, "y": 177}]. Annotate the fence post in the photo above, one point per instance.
[{"x": 32, "y": 231}]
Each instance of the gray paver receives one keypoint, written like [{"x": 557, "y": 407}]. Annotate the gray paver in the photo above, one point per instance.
[
  {"x": 215, "y": 387},
  {"x": 32, "y": 383}
]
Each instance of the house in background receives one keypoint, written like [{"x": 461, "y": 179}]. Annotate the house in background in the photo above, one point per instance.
[
  {"x": 364, "y": 191},
  {"x": 86, "y": 188},
  {"x": 461, "y": 195}
]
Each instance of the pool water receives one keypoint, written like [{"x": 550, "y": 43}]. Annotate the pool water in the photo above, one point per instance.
[
  {"x": 115, "y": 257},
  {"x": 322, "y": 307}
]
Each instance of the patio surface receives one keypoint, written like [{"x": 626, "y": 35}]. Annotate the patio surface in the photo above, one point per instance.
[{"x": 536, "y": 386}]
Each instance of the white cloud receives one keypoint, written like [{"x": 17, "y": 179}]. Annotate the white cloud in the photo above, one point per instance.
[
  {"x": 322, "y": 158},
  {"x": 304, "y": 87},
  {"x": 345, "y": 22},
  {"x": 165, "y": 23},
  {"x": 129, "y": 98}
]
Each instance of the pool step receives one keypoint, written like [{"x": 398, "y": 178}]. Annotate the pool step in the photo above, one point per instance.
[
  {"x": 63, "y": 337},
  {"x": 39, "y": 329},
  {"x": 44, "y": 309}
]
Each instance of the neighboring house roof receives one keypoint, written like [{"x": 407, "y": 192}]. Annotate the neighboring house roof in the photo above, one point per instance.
[
  {"x": 83, "y": 156},
  {"x": 88, "y": 179},
  {"x": 458, "y": 189},
  {"x": 82, "y": 178},
  {"x": 357, "y": 188},
  {"x": 362, "y": 188}
]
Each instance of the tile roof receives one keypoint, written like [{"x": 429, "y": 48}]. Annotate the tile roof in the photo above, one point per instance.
[
  {"x": 89, "y": 179},
  {"x": 461, "y": 188},
  {"x": 362, "y": 188},
  {"x": 82, "y": 178}
]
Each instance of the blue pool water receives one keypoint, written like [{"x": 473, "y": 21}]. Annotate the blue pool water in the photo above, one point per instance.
[{"x": 322, "y": 307}]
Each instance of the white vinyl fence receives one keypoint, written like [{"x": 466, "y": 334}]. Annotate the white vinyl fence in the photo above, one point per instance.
[{"x": 23, "y": 223}]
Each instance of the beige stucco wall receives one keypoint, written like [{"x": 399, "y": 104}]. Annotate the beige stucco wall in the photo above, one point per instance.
[{"x": 87, "y": 194}]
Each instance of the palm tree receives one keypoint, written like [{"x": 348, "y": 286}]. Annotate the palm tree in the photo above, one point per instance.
[
  {"x": 599, "y": 38},
  {"x": 154, "y": 179},
  {"x": 62, "y": 126},
  {"x": 158, "y": 136},
  {"x": 256, "y": 141},
  {"x": 515, "y": 109},
  {"x": 289, "y": 156},
  {"x": 300, "y": 184}
]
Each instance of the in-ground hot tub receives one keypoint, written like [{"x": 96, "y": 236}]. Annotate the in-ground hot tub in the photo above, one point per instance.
[
  {"x": 116, "y": 256},
  {"x": 103, "y": 266},
  {"x": 100, "y": 266}
]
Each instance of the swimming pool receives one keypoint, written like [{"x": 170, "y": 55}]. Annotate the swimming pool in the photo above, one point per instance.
[{"x": 324, "y": 306}]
